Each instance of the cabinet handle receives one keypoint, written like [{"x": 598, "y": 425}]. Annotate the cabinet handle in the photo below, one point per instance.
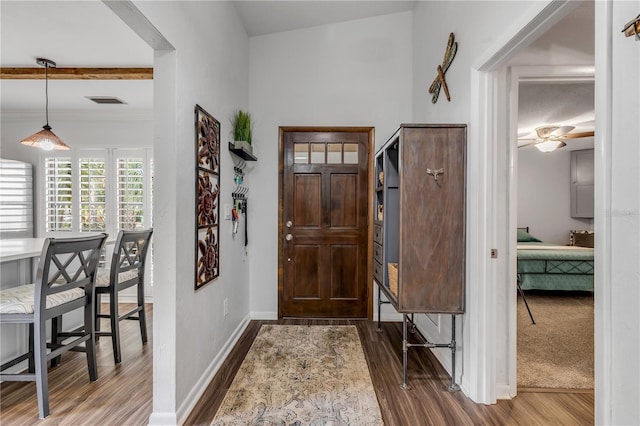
[{"x": 435, "y": 173}]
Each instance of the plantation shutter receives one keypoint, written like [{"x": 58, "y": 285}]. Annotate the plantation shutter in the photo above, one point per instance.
[
  {"x": 130, "y": 193},
  {"x": 93, "y": 194},
  {"x": 16, "y": 199},
  {"x": 58, "y": 194}
]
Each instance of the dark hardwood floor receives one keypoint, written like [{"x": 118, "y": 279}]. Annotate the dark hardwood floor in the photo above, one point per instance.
[
  {"x": 123, "y": 394},
  {"x": 427, "y": 402}
]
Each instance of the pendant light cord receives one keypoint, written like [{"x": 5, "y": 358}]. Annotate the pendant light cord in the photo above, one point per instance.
[{"x": 46, "y": 92}]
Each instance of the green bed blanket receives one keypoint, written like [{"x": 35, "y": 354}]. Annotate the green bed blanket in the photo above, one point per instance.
[{"x": 545, "y": 267}]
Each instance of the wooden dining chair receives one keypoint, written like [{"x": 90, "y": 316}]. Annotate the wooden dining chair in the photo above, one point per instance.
[
  {"x": 127, "y": 270},
  {"x": 64, "y": 282}
]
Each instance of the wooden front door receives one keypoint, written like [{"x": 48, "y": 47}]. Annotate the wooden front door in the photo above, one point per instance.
[{"x": 324, "y": 223}]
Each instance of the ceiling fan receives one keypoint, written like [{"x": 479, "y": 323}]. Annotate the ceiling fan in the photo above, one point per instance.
[{"x": 552, "y": 137}]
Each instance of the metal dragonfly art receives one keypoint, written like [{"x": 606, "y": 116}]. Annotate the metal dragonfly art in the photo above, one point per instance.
[{"x": 439, "y": 81}]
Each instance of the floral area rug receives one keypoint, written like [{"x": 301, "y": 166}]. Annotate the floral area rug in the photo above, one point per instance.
[{"x": 302, "y": 375}]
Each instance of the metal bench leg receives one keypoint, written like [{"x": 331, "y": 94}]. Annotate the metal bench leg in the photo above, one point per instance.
[{"x": 524, "y": 299}]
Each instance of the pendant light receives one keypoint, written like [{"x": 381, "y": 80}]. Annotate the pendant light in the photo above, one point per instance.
[{"x": 45, "y": 139}]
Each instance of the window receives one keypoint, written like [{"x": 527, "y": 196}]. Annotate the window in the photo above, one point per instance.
[
  {"x": 58, "y": 194},
  {"x": 93, "y": 194},
  {"x": 98, "y": 190},
  {"x": 16, "y": 199},
  {"x": 130, "y": 193}
]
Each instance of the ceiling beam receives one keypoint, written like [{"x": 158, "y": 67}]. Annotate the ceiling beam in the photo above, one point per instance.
[{"x": 77, "y": 73}]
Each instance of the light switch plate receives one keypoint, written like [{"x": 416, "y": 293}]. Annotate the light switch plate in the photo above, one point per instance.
[{"x": 227, "y": 212}]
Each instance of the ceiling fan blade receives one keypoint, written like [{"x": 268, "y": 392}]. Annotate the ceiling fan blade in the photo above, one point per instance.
[
  {"x": 534, "y": 141},
  {"x": 578, "y": 135},
  {"x": 561, "y": 131}
]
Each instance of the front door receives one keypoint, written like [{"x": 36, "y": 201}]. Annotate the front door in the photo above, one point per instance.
[{"x": 324, "y": 223}]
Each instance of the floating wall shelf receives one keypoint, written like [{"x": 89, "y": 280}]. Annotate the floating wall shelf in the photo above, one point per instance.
[{"x": 242, "y": 153}]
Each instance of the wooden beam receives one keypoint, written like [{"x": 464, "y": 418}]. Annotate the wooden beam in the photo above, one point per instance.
[{"x": 77, "y": 73}]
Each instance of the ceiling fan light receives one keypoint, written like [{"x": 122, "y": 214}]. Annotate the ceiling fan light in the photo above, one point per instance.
[
  {"x": 549, "y": 145},
  {"x": 45, "y": 139}
]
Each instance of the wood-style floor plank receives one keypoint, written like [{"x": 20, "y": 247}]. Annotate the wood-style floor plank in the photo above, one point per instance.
[
  {"x": 123, "y": 394},
  {"x": 427, "y": 401}
]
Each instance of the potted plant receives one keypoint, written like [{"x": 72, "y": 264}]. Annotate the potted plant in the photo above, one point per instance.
[{"x": 241, "y": 123}]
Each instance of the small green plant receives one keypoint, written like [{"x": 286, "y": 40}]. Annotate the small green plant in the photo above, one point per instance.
[{"x": 241, "y": 123}]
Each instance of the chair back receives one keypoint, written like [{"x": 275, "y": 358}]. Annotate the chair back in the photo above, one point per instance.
[
  {"x": 129, "y": 254},
  {"x": 66, "y": 264}
]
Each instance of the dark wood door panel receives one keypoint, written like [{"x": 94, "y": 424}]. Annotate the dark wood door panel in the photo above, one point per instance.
[
  {"x": 307, "y": 200},
  {"x": 344, "y": 190},
  {"x": 306, "y": 271},
  {"x": 324, "y": 224},
  {"x": 344, "y": 272}
]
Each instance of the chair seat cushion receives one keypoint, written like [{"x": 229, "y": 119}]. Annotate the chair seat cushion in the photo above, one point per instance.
[
  {"x": 103, "y": 277},
  {"x": 20, "y": 299}
]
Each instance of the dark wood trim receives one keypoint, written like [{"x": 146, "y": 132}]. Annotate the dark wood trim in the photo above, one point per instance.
[
  {"x": 371, "y": 148},
  {"x": 371, "y": 170},
  {"x": 77, "y": 73},
  {"x": 282, "y": 131}
]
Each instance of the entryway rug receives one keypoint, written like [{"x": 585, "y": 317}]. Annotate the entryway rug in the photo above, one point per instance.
[
  {"x": 302, "y": 375},
  {"x": 556, "y": 352}
]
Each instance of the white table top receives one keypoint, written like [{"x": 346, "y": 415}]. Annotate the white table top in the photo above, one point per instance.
[
  {"x": 20, "y": 248},
  {"x": 24, "y": 248}
]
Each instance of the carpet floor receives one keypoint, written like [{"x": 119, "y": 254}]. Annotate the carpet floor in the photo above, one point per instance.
[
  {"x": 557, "y": 351},
  {"x": 302, "y": 375}
]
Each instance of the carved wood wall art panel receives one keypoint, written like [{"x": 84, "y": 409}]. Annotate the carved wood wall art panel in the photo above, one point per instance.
[{"x": 207, "y": 249}]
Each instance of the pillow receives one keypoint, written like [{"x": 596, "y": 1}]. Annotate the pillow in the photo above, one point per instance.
[
  {"x": 581, "y": 238},
  {"x": 525, "y": 237}
]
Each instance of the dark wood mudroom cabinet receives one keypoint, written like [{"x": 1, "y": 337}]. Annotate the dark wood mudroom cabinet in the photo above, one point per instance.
[
  {"x": 419, "y": 221},
  {"x": 421, "y": 224}
]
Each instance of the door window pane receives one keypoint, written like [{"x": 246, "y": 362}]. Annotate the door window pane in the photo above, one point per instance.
[
  {"x": 334, "y": 153},
  {"x": 317, "y": 153},
  {"x": 301, "y": 153},
  {"x": 351, "y": 153}
]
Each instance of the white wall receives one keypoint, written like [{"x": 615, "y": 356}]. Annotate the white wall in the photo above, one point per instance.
[
  {"x": 355, "y": 73},
  {"x": 209, "y": 67},
  {"x": 563, "y": 44},
  {"x": 617, "y": 155},
  {"x": 544, "y": 203}
]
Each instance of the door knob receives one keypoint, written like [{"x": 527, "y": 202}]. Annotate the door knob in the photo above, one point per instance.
[
  {"x": 288, "y": 237},
  {"x": 289, "y": 224}
]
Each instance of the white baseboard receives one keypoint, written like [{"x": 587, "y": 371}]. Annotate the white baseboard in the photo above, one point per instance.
[
  {"x": 388, "y": 317},
  {"x": 503, "y": 391},
  {"x": 163, "y": 419},
  {"x": 267, "y": 316},
  {"x": 132, "y": 299},
  {"x": 198, "y": 389}
]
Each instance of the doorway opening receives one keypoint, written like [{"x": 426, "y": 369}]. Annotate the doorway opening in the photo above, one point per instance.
[{"x": 554, "y": 213}]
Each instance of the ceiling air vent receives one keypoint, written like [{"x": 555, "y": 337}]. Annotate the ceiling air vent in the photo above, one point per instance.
[{"x": 105, "y": 100}]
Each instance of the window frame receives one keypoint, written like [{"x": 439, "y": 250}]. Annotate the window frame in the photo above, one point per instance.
[{"x": 111, "y": 156}]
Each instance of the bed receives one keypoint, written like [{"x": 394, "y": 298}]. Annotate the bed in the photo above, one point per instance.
[{"x": 543, "y": 266}]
